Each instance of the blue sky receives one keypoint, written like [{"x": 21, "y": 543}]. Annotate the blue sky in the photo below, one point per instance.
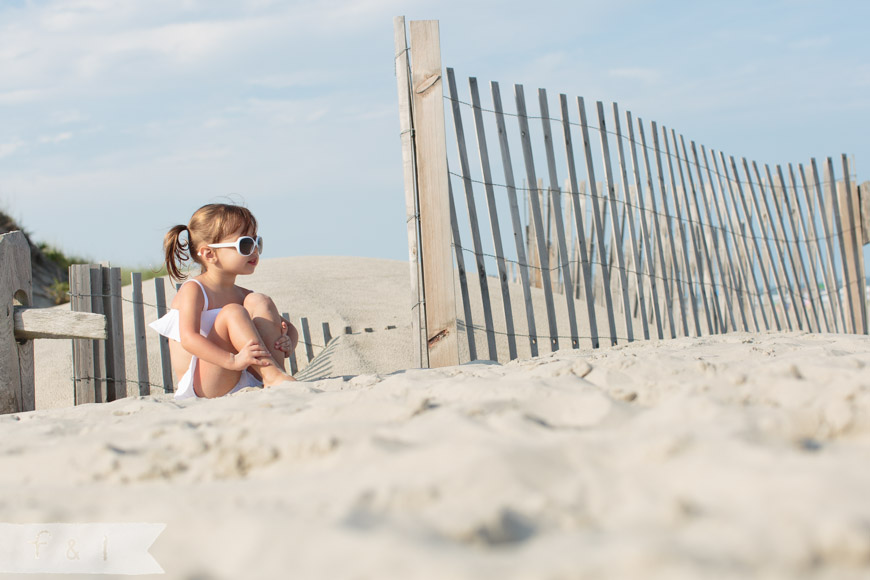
[{"x": 119, "y": 118}]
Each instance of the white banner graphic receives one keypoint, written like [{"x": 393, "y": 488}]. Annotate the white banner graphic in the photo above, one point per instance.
[{"x": 91, "y": 548}]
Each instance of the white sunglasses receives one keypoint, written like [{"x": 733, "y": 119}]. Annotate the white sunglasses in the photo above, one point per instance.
[{"x": 244, "y": 245}]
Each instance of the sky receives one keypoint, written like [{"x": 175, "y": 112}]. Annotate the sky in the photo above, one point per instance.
[{"x": 119, "y": 118}]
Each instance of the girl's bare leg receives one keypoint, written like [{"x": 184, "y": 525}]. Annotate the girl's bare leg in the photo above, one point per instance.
[
  {"x": 265, "y": 316},
  {"x": 233, "y": 329}
]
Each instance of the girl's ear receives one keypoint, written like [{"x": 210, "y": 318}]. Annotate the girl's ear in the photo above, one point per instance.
[{"x": 207, "y": 254}]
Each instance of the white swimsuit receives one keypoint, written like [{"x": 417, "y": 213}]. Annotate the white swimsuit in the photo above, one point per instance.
[{"x": 167, "y": 326}]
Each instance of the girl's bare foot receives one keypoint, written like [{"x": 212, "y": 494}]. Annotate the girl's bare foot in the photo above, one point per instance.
[{"x": 273, "y": 376}]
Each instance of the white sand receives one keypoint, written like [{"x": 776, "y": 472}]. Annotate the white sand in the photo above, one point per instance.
[{"x": 725, "y": 457}]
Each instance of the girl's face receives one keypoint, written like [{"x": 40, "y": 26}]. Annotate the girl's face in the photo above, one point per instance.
[{"x": 231, "y": 258}]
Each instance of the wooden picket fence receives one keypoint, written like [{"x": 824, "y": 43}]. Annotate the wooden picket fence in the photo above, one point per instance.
[{"x": 637, "y": 233}]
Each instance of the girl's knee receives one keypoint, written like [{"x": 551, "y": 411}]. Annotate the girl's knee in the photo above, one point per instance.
[
  {"x": 227, "y": 314},
  {"x": 256, "y": 302},
  {"x": 232, "y": 310}
]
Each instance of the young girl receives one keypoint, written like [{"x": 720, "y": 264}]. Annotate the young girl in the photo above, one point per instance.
[{"x": 223, "y": 337}]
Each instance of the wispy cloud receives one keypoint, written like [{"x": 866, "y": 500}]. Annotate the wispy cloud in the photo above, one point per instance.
[
  {"x": 810, "y": 43},
  {"x": 56, "y": 138},
  {"x": 288, "y": 111},
  {"x": 196, "y": 155},
  {"x": 311, "y": 78},
  {"x": 644, "y": 75},
  {"x": 20, "y": 96},
  {"x": 68, "y": 117},
  {"x": 10, "y": 148}
]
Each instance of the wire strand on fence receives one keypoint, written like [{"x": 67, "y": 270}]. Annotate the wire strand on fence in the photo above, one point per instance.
[
  {"x": 740, "y": 291},
  {"x": 623, "y": 137},
  {"x": 685, "y": 220}
]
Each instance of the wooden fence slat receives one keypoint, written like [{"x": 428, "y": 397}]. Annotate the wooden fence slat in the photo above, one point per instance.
[
  {"x": 833, "y": 289},
  {"x": 461, "y": 272},
  {"x": 644, "y": 229},
  {"x": 327, "y": 335},
  {"x": 474, "y": 226},
  {"x": 139, "y": 330},
  {"x": 738, "y": 231},
  {"x": 108, "y": 345},
  {"x": 720, "y": 293},
  {"x": 864, "y": 211},
  {"x": 87, "y": 388},
  {"x": 75, "y": 303},
  {"x": 819, "y": 244},
  {"x": 406, "y": 124},
  {"x": 557, "y": 218},
  {"x": 522, "y": 119},
  {"x": 853, "y": 287},
  {"x": 579, "y": 218},
  {"x": 597, "y": 221},
  {"x": 777, "y": 195},
  {"x": 294, "y": 367},
  {"x": 665, "y": 269},
  {"x": 432, "y": 183},
  {"x": 594, "y": 254},
  {"x": 748, "y": 217},
  {"x": 604, "y": 263},
  {"x": 493, "y": 217},
  {"x": 614, "y": 214},
  {"x": 700, "y": 236},
  {"x": 306, "y": 339},
  {"x": 681, "y": 231},
  {"x": 535, "y": 272},
  {"x": 854, "y": 248},
  {"x": 636, "y": 256},
  {"x": 718, "y": 203},
  {"x": 779, "y": 273},
  {"x": 117, "y": 388},
  {"x": 696, "y": 243},
  {"x": 811, "y": 253},
  {"x": 101, "y": 362},
  {"x": 519, "y": 238},
  {"x": 839, "y": 227},
  {"x": 165, "y": 359},
  {"x": 617, "y": 238}
]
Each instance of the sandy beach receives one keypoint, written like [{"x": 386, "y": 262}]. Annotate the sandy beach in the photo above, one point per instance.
[{"x": 734, "y": 456}]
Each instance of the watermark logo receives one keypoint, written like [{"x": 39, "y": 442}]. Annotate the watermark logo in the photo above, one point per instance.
[{"x": 88, "y": 548}]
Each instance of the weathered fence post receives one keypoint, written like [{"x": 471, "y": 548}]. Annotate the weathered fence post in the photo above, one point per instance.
[
  {"x": 406, "y": 122},
  {"x": 432, "y": 180},
  {"x": 16, "y": 356}
]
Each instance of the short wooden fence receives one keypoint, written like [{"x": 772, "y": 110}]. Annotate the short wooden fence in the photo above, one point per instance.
[
  {"x": 631, "y": 232},
  {"x": 20, "y": 325}
]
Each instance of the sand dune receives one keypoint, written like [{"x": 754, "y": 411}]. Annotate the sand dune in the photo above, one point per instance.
[{"x": 720, "y": 457}]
